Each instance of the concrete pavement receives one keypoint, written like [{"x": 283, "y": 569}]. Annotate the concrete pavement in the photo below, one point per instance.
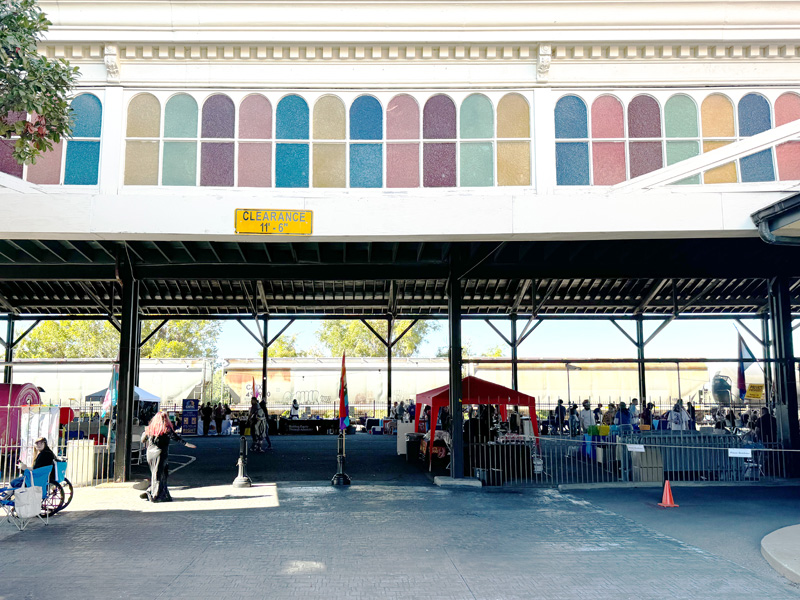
[{"x": 390, "y": 538}]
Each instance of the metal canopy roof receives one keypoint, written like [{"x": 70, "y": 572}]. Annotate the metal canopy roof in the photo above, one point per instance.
[{"x": 196, "y": 279}]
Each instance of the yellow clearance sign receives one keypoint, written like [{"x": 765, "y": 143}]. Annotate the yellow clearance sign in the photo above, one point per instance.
[
  {"x": 755, "y": 391},
  {"x": 264, "y": 221}
]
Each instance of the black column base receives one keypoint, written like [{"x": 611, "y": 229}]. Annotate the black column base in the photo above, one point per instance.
[{"x": 340, "y": 479}]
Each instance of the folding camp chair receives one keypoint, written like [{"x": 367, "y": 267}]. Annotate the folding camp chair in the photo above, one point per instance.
[{"x": 37, "y": 479}]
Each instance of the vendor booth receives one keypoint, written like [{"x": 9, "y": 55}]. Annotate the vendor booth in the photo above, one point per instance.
[
  {"x": 475, "y": 391},
  {"x": 145, "y": 404}
]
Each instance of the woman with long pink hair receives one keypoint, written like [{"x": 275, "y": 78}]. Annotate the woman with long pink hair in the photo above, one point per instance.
[{"x": 158, "y": 435}]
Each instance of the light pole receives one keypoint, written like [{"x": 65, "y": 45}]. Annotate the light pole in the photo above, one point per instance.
[{"x": 569, "y": 368}]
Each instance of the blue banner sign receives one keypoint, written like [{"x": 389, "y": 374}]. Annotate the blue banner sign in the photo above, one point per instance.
[{"x": 191, "y": 408}]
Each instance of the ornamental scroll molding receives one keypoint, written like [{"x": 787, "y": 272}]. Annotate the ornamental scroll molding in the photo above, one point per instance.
[
  {"x": 543, "y": 63},
  {"x": 111, "y": 60}
]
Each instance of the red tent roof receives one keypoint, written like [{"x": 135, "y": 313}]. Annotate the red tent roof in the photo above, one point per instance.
[{"x": 476, "y": 391}]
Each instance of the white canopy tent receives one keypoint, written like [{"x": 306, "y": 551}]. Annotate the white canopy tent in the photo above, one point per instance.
[{"x": 138, "y": 394}]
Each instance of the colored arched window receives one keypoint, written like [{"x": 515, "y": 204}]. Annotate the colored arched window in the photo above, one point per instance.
[
  {"x": 83, "y": 150},
  {"x": 7, "y": 162},
  {"x": 608, "y": 157},
  {"x": 291, "y": 159},
  {"x": 216, "y": 158},
  {"x": 255, "y": 157},
  {"x": 46, "y": 171},
  {"x": 141, "y": 153},
  {"x": 402, "y": 158},
  {"x": 179, "y": 163},
  {"x": 366, "y": 159},
  {"x": 439, "y": 158},
  {"x": 329, "y": 159},
  {"x": 755, "y": 117},
  {"x": 680, "y": 121},
  {"x": 716, "y": 116},
  {"x": 644, "y": 121},
  {"x": 572, "y": 157},
  {"x": 477, "y": 158},
  {"x": 787, "y": 109},
  {"x": 513, "y": 145}
]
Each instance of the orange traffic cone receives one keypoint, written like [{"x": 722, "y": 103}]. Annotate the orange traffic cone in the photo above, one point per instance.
[{"x": 666, "y": 500}]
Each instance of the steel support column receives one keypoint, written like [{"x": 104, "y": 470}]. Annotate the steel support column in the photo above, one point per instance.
[
  {"x": 454, "y": 326},
  {"x": 514, "y": 357},
  {"x": 128, "y": 356},
  {"x": 640, "y": 342},
  {"x": 766, "y": 344},
  {"x": 264, "y": 357},
  {"x": 389, "y": 345},
  {"x": 138, "y": 362},
  {"x": 8, "y": 370},
  {"x": 780, "y": 304}
]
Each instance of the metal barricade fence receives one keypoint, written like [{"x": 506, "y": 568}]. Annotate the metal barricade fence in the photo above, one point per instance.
[
  {"x": 549, "y": 461},
  {"x": 85, "y": 443}
]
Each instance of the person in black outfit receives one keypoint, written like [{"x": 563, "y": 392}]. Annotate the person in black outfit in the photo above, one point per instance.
[
  {"x": 561, "y": 414},
  {"x": 205, "y": 415},
  {"x": 158, "y": 435},
  {"x": 766, "y": 427},
  {"x": 646, "y": 416}
]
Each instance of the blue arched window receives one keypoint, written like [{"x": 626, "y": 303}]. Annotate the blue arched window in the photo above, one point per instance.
[
  {"x": 83, "y": 150},
  {"x": 366, "y": 159},
  {"x": 291, "y": 159},
  {"x": 572, "y": 157},
  {"x": 755, "y": 117}
]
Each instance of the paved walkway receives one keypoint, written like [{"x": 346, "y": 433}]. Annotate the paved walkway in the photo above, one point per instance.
[{"x": 385, "y": 539}]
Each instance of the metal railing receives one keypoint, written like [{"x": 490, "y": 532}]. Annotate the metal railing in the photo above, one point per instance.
[
  {"x": 514, "y": 459},
  {"x": 84, "y": 442}
]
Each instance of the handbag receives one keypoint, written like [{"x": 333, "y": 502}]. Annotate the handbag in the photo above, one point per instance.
[{"x": 28, "y": 501}]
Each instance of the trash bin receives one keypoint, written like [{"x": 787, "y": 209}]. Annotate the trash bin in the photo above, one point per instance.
[{"x": 412, "y": 447}]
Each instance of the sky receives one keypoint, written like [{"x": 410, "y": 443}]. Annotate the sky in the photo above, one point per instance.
[{"x": 552, "y": 339}]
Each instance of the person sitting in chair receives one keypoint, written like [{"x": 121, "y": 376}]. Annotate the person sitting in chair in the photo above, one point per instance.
[{"x": 43, "y": 456}]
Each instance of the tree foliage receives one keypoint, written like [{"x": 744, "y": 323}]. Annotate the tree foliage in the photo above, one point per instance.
[
  {"x": 31, "y": 84},
  {"x": 181, "y": 339},
  {"x": 98, "y": 339},
  {"x": 354, "y": 337},
  {"x": 285, "y": 347},
  {"x": 70, "y": 339}
]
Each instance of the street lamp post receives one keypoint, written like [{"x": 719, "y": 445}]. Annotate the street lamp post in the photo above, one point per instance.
[{"x": 569, "y": 368}]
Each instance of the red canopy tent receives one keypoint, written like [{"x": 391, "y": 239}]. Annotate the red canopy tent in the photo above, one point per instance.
[{"x": 476, "y": 391}]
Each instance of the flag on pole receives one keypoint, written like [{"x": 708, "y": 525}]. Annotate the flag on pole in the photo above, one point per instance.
[
  {"x": 254, "y": 391},
  {"x": 110, "y": 399},
  {"x": 344, "y": 407},
  {"x": 746, "y": 358}
]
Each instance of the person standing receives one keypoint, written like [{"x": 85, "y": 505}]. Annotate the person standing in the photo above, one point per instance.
[
  {"x": 646, "y": 418},
  {"x": 219, "y": 415},
  {"x": 294, "y": 412},
  {"x": 257, "y": 420},
  {"x": 766, "y": 427},
  {"x": 561, "y": 416},
  {"x": 157, "y": 436},
  {"x": 623, "y": 416},
  {"x": 586, "y": 417},
  {"x": 205, "y": 415},
  {"x": 634, "y": 410},
  {"x": 608, "y": 416},
  {"x": 574, "y": 422},
  {"x": 401, "y": 411},
  {"x": 678, "y": 418},
  {"x": 598, "y": 414}
]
